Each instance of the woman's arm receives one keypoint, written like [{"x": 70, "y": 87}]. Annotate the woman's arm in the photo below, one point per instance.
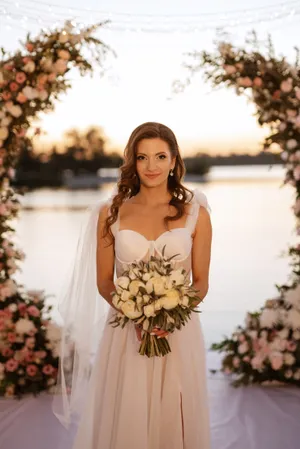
[
  {"x": 201, "y": 253},
  {"x": 105, "y": 260}
]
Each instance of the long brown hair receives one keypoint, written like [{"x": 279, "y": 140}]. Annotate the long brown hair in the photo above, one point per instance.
[{"x": 129, "y": 183}]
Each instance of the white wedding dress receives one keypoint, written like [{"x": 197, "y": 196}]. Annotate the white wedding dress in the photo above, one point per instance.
[{"x": 134, "y": 402}]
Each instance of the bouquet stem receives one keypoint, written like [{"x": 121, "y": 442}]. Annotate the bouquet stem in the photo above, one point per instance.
[{"x": 152, "y": 346}]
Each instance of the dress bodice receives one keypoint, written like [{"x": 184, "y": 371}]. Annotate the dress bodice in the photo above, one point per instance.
[{"x": 133, "y": 246}]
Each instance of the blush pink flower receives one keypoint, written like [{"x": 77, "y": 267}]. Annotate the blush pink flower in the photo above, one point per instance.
[
  {"x": 244, "y": 81},
  {"x": 48, "y": 370},
  {"x": 6, "y": 95},
  {"x": 29, "y": 46},
  {"x": 276, "y": 361},
  {"x": 11, "y": 365},
  {"x": 30, "y": 342},
  {"x": 31, "y": 370},
  {"x": 20, "y": 77},
  {"x": 41, "y": 354},
  {"x": 22, "y": 308},
  {"x": 291, "y": 346},
  {"x": 11, "y": 337},
  {"x": 257, "y": 82},
  {"x": 8, "y": 66},
  {"x": 13, "y": 86},
  {"x": 296, "y": 173},
  {"x": 29, "y": 356},
  {"x": 21, "y": 98},
  {"x": 286, "y": 85},
  {"x": 33, "y": 311},
  {"x": 7, "y": 352}
]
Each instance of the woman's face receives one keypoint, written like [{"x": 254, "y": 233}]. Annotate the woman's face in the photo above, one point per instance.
[{"x": 153, "y": 161}]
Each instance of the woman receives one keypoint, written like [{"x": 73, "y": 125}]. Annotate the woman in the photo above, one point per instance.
[{"x": 132, "y": 401}]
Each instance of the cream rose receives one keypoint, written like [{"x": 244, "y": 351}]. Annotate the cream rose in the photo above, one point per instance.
[
  {"x": 130, "y": 310},
  {"x": 149, "y": 310},
  {"x": 177, "y": 276},
  {"x": 123, "y": 282},
  {"x": 159, "y": 285},
  {"x": 170, "y": 300},
  {"x": 125, "y": 295},
  {"x": 134, "y": 286}
]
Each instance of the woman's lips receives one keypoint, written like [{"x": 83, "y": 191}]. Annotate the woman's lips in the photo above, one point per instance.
[{"x": 152, "y": 176}]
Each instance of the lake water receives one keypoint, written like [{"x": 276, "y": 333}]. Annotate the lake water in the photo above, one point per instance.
[{"x": 252, "y": 224}]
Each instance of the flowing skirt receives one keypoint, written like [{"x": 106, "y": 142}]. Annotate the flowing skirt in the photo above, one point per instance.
[{"x": 136, "y": 402}]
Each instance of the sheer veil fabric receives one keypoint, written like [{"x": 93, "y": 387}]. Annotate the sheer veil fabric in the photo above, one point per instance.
[{"x": 101, "y": 374}]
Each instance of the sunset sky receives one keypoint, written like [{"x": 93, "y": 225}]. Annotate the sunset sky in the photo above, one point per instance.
[{"x": 137, "y": 85}]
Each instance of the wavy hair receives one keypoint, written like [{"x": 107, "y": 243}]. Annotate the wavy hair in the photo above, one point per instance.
[{"x": 129, "y": 184}]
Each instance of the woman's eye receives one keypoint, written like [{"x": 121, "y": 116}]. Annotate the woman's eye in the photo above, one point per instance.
[
  {"x": 162, "y": 156},
  {"x": 140, "y": 158}
]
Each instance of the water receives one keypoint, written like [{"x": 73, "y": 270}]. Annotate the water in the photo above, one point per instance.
[{"x": 252, "y": 224}]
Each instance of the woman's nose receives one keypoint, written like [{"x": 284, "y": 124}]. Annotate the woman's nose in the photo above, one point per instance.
[{"x": 151, "y": 164}]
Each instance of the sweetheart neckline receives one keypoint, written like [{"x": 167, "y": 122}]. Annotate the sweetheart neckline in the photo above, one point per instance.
[{"x": 155, "y": 240}]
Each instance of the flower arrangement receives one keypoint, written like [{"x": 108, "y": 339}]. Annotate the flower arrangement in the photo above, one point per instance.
[
  {"x": 268, "y": 347},
  {"x": 154, "y": 294},
  {"x": 30, "y": 82}
]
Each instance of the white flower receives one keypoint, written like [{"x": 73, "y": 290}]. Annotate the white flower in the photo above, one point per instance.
[
  {"x": 14, "y": 110},
  {"x": 146, "y": 299},
  {"x": 296, "y": 335},
  {"x": 177, "y": 276},
  {"x": 125, "y": 295},
  {"x": 43, "y": 95},
  {"x": 291, "y": 144},
  {"x": 123, "y": 282},
  {"x": 268, "y": 318},
  {"x": 130, "y": 310},
  {"x": 149, "y": 286},
  {"x": 185, "y": 301},
  {"x": 116, "y": 300},
  {"x": 146, "y": 277},
  {"x": 149, "y": 310},
  {"x": 24, "y": 326},
  {"x": 289, "y": 359},
  {"x": 288, "y": 374},
  {"x": 284, "y": 155},
  {"x": 159, "y": 285},
  {"x": 29, "y": 67},
  {"x": 283, "y": 334},
  {"x": 170, "y": 300},
  {"x": 134, "y": 286},
  {"x": 278, "y": 345},
  {"x": 6, "y": 121},
  {"x": 243, "y": 348},
  {"x": 13, "y": 307},
  {"x": 252, "y": 334},
  {"x": 3, "y": 133},
  {"x": 293, "y": 319},
  {"x": 30, "y": 92},
  {"x": 292, "y": 296}
]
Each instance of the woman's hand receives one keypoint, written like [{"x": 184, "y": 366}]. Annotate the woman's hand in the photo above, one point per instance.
[{"x": 160, "y": 333}]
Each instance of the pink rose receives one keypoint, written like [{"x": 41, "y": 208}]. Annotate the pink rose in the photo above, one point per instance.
[
  {"x": 257, "y": 82},
  {"x": 7, "y": 352},
  {"x": 229, "y": 69},
  {"x": 52, "y": 77},
  {"x": 31, "y": 370},
  {"x": 11, "y": 337},
  {"x": 243, "y": 347},
  {"x": 20, "y": 77},
  {"x": 41, "y": 354},
  {"x": 30, "y": 342},
  {"x": 11, "y": 365},
  {"x": 276, "y": 361},
  {"x": 21, "y": 98},
  {"x": 22, "y": 308},
  {"x": 6, "y": 95},
  {"x": 246, "y": 359},
  {"x": 13, "y": 86},
  {"x": 286, "y": 85},
  {"x": 257, "y": 362},
  {"x": 244, "y": 81},
  {"x": 33, "y": 311},
  {"x": 241, "y": 337},
  {"x": 29, "y": 46},
  {"x": 26, "y": 59},
  {"x": 291, "y": 346},
  {"x": 29, "y": 356},
  {"x": 48, "y": 370}
]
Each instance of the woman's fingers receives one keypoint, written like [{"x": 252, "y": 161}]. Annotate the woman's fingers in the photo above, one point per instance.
[
  {"x": 138, "y": 331},
  {"x": 159, "y": 332}
]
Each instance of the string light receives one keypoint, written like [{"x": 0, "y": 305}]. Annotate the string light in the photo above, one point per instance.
[{"x": 48, "y": 14}]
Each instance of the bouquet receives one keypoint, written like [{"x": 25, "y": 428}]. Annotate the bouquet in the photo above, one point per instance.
[{"x": 153, "y": 294}]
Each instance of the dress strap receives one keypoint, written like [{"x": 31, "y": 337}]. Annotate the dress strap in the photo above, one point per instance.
[{"x": 199, "y": 199}]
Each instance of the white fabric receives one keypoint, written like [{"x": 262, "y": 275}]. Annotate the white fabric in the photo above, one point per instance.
[{"x": 158, "y": 395}]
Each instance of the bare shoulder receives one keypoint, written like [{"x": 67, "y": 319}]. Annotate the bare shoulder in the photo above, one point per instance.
[{"x": 203, "y": 220}]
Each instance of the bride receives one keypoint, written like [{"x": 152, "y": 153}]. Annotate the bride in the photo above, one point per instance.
[{"x": 132, "y": 401}]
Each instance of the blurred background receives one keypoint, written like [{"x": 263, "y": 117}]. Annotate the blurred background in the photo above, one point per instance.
[{"x": 78, "y": 148}]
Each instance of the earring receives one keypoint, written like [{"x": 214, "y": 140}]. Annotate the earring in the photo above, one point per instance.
[{"x": 171, "y": 172}]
